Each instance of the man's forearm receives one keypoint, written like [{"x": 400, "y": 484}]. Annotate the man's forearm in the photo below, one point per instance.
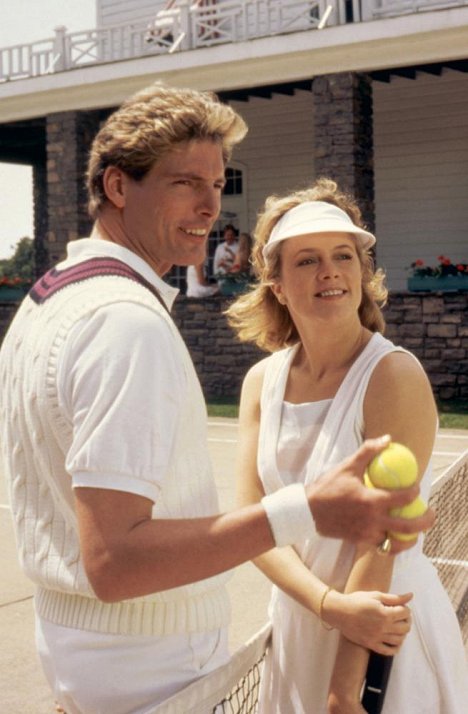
[
  {"x": 157, "y": 555},
  {"x": 128, "y": 554}
]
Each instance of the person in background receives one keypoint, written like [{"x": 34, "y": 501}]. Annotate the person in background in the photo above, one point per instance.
[
  {"x": 103, "y": 429},
  {"x": 332, "y": 381},
  {"x": 226, "y": 251},
  {"x": 197, "y": 284},
  {"x": 242, "y": 260}
]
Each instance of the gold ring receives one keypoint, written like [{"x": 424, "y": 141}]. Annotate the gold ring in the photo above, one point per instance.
[{"x": 385, "y": 547}]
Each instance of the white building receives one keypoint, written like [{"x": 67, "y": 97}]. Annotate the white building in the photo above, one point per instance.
[{"x": 405, "y": 60}]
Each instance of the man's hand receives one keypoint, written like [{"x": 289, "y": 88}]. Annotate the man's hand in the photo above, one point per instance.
[{"x": 343, "y": 507}]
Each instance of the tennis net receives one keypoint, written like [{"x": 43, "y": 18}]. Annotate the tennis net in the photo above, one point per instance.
[
  {"x": 233, "y": 689},
  {"x": 446, "y": 544}
]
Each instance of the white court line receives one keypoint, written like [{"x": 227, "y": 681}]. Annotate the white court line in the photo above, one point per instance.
[
  {"x": 234, "y": 441},
  {"x": 223, "y": 441},
  {"x": 447, "y": 453},
  {"x": 232, "y": 425},
  {"x": 5, "y": 506},
  {"x": 449, "y": 561}
]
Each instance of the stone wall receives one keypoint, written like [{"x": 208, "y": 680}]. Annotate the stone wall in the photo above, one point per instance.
[
  {"x": 220, "y": 360},
  {"x": 7, "y": 311},
  {"x": 432, "y": 326},
  {"x": 435, "y": 328}
]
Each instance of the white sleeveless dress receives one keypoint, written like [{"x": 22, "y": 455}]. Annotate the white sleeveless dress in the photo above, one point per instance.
[{"x": 298, "y": 443}]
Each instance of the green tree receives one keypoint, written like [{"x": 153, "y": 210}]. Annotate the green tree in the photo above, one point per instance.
[{"x": 21, "y": 264}]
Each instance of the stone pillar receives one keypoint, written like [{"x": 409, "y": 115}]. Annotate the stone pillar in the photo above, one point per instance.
[
  {"x": 41, "y": 256},
  {"x": 69, "y": 136},
  {"x": 344, "y": 136}
]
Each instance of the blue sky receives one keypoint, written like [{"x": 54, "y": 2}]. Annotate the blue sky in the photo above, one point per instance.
[{"x": 24, "y": 21}]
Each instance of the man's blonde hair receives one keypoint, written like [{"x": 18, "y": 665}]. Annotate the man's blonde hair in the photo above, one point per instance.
[
  {"x": 257, "y": 316},
  {"x": 150, "y": 124}
]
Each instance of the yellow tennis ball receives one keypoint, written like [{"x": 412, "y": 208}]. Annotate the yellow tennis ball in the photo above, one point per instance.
[
  {"x": 367, "y": 481},
  {"x": 412, "y": 510},
  {"x": 394, "y": 467}
]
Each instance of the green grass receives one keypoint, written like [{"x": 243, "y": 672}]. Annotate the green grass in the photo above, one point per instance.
[
  {"x": 452, "y": 415},
  {"x": 223, "y": 407}
]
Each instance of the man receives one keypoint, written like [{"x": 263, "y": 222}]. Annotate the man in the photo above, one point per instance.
[
  {"x": 225, "y": 253},
  {"x": 104, "y": 430}
]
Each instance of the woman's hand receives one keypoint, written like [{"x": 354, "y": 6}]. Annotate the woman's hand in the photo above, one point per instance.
[{"x": 377, "y": 621}]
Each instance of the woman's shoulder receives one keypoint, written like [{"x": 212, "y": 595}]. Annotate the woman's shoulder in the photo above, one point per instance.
[
  {"x": 399, "y": 384},
  {"x": 256, "y": 373},
  {"x": 264, "y": 370},
  {"x": 398, "y": 365},
  {"x": 399, "y": 401}
]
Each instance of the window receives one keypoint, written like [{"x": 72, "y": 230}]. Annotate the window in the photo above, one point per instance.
[{"x": 233, "y": 185}]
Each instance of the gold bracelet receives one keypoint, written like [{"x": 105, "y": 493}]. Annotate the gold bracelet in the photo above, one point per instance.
[{"x": 320, "y": 612}]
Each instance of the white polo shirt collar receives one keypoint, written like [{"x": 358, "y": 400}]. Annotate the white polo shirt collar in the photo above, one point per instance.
[{"x": 84, "y": 248}]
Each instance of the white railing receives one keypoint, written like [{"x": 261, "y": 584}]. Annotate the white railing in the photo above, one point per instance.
[
  {"x": 193, "y": 24},
  {"x": 234, "y": 21},
  {"x": 30, "y": 60},
  {"x": 373, "y": 9},
  {"x": 184, "y": 26}
]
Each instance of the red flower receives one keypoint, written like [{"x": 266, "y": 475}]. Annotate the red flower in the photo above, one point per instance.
[
  {"x": 15, "y": 281},
  {"x": 444, "y": 268}
]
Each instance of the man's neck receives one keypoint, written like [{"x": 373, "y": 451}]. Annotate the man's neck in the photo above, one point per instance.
[{"x": 105, "y": 228}]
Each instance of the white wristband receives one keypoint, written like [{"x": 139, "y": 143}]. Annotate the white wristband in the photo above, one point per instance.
[{"x": 289, "y": 515}]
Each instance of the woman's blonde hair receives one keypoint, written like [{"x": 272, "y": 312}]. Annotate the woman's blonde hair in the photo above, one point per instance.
[
  {"x": 257, "y": 316},
  {"x": 150, "y": 124}
]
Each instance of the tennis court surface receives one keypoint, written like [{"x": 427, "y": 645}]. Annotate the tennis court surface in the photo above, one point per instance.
[{"x": 22, "y": 686}]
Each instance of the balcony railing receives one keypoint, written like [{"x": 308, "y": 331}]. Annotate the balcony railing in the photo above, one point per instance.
[
  {"x": 188, "y": 26},
  {"x": 392, "y": 8}
]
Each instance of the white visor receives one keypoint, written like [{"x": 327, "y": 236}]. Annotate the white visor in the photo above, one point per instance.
[{"x": 315, "y": 217}]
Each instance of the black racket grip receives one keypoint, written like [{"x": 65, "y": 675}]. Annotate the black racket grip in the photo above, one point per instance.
[{"x": 375, "y": 686}]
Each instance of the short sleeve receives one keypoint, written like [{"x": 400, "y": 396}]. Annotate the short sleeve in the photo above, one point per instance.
[{"x": 120, "y": 386}]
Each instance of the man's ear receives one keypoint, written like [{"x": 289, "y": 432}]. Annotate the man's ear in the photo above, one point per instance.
[{"x": 113, "y": 182}]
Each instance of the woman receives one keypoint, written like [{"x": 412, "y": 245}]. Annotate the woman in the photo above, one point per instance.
[
  {"x": 336, "y": 382},
  {"x": 242, "y": 262}
]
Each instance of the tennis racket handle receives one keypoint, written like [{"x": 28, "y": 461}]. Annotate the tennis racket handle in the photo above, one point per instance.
[{"x": 375, "y": 685}]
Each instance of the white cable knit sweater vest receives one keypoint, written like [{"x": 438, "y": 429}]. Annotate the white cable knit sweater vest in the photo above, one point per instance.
[{"x": 35, "y": 440}]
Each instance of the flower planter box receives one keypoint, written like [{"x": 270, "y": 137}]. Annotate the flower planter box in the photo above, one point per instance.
[
  {"x": 11, "y": 294},
  {"x": 447, "y": 283},
  {"x": 232, "y": 287}
]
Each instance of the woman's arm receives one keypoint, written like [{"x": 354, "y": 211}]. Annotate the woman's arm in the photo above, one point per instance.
[
  {"x": 399, "y": 400},
  {"x": 363, "y": 617}
]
